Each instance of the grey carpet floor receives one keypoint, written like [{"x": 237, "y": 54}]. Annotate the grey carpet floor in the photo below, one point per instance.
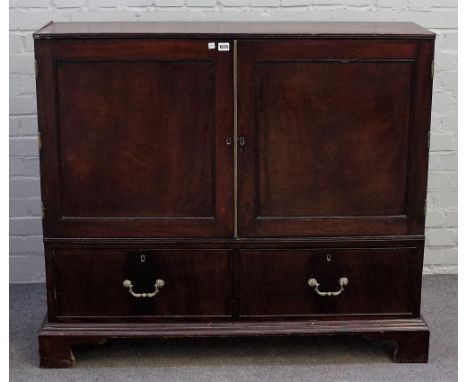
[{"x": 269, "y": 359}]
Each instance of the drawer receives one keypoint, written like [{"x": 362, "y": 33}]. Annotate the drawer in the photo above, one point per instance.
[
  {"x": 91, "y": 283},
  {"x": 364, "y": 281}
]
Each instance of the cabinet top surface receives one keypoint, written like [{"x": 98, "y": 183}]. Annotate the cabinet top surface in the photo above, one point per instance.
[{"x": 231, "y": 29}]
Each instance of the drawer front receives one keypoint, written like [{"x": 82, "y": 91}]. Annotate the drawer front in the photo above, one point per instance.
[
  {"x": 91, "y": 283},
  {"x": 367, "y": 281}
]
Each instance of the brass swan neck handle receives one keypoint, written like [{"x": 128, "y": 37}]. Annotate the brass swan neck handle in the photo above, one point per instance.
[
  {"x": 157, "y": 285},
  {"x": 313, "y": 283}
]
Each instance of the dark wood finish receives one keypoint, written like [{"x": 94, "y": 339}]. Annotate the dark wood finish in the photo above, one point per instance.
[
  {"x": 381, "y": 282},
  {"x": 331, "y": 137},
  {"x": 161, "y": 161},
  {"x": 137, "y": 123},
  {"x": 113, "y": 259},
  {"x": 411, "y": 347},
  {"x": 351, "y": 162},
  {"x": 226, "y": 29},
  {"x": 410, "y": 335},
  {"x": 197, "y": 283},
  {"x": 240, "y": 243},
  {"x": 136, "y": 138},
  {"x": 56, "y": 351}
]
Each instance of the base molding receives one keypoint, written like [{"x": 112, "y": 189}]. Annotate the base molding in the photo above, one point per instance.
[{"x": 57, "y": 339}]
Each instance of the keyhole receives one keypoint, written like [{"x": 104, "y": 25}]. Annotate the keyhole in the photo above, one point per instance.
[
  {"x": 142, "y": 258},
  {"x": 329, "y": 257},
  {"x": 241, "y": 143}
]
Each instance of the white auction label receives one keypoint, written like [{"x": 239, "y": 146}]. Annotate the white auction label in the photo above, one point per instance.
[{"x": 223, "y": 46}]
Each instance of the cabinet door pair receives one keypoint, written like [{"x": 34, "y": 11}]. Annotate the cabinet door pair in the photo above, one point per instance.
[{"x": 138, "y": 137}]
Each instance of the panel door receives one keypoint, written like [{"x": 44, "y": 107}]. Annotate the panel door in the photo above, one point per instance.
[
  {"x": 134, "y": 138},
  {"x": 334, "y": 136}
]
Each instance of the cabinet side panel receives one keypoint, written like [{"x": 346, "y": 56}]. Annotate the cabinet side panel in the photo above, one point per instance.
[{"x": 421, "y": 121}]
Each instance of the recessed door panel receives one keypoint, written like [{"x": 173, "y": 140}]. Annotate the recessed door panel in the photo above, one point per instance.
[
  {"x": 326, "y": 148},
  {"x": 135, "y": 141}
]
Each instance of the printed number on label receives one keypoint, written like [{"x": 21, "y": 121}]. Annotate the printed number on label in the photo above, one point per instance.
[{"x": 223, "y": 46}]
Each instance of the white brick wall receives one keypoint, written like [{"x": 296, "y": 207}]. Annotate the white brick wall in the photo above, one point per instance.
[{"x": 26, "y": 261}]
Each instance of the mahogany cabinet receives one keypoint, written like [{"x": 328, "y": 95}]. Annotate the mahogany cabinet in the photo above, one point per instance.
[{"x": 233, "y": 179}]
